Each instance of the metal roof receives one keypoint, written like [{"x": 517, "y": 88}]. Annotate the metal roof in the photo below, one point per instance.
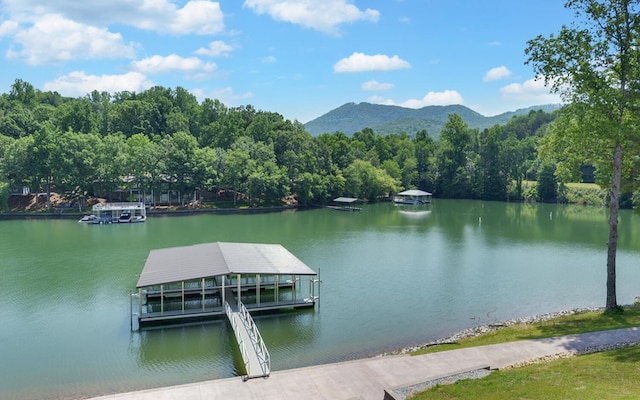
[
  {"x": 177, "y": 264},
  {"x": 414, "y": 192},
  {"x": 345, "y": 199}
]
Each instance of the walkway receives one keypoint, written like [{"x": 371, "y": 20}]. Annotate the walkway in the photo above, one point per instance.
[
  {"x": 254, "y": 353},
  {"x": 367, "y": 379}
]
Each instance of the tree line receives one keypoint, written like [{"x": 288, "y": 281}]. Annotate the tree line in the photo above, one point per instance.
[{"x": 164, "y": 139}]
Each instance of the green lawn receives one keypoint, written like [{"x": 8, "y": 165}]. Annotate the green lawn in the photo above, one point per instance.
[
  {"x": 612, "y": 374},
  {"x": 608, "y": 375}
]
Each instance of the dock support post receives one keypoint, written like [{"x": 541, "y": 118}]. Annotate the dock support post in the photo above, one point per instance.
[
  {"x": 239, "y": 288},
  {"x": 258, "y": 289},
  {"x": 224, "y": 280},
  {"x": 183, "y": 297},
  {"x": 203, "y": 294},
  {"x": 161, "y": 299},
  {"x": 295, "y": 297}
]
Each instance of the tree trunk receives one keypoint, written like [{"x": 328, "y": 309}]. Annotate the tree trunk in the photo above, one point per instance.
[
  {"x": 48, "y": 195},
  {"x": 612, "y": 246}
]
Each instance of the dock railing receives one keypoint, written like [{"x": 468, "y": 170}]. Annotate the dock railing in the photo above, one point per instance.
[
  {"x": 258, "y": 342},
  {"x": 236, "y": 331}
]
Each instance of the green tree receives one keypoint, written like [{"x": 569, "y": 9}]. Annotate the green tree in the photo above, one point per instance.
[
  {"x": 236, "y": 170},
  {"x": 453, "y": 180},
  {"x": 365, "y": 181},
  {"x": 491, "y": 169},
  {"x": 18, "y": 163},
  {"x": 179, "y": 152},
  {"x": 143, "y": 161},
  {"x": 595, "y": 66},
  {"x": 76, "y": 163},
  {"x": 43, "y": 153},
  {"x": 339, "y": 147},
  {"x": 267, "y": 183},
  {"x": 113, "y": 164},
  {"x": 547, "y": 185},
  {"x": 76, "y": 115},
  {"x": 425, "y": 148}
]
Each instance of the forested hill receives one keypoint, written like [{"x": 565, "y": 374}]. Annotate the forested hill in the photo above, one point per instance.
[{"x": 383, "y": 119}]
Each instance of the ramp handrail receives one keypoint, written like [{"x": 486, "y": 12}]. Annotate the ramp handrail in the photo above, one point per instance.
[
  {"x": 258, "y": 342},
  {"x": 243, "y": 349}
]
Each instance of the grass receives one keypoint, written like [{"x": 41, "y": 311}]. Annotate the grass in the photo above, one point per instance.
[
  {"x": 607, "y": 375},
  {"x": 566, "y": 325}
]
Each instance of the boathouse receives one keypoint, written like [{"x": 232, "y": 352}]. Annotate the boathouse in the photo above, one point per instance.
[
  {"x": 345, "y": 204},
  {"x": 185, "y": 283}
]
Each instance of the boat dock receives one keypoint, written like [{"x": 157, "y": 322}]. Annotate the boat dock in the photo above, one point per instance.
[
  {"x": 214, "y": 280},
  {"x": 109, "y": 213}
]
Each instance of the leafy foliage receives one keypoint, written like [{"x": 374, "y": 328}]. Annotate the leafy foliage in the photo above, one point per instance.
[{"x": 164, "y": 140}]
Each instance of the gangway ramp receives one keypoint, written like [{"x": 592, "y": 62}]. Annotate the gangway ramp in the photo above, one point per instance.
[{"x": 255, "y": 355}]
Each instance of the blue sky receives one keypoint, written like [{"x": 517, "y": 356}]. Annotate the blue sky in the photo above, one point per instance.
[{"x": 299, "y": 58}]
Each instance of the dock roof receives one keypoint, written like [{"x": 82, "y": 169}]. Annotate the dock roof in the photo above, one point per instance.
[
  {"x": 414, "y": 192},
  {"x": 177, "y": 264},
  {"x": 345, "y": 199}
]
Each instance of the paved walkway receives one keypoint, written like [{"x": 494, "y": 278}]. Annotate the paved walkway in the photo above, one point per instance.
[{"x": 368, "y": 378}]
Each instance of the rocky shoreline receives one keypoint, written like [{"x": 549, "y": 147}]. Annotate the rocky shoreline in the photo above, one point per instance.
[
  {"x": 403, "y": 392},
  {"x": 486, "y": 328}
]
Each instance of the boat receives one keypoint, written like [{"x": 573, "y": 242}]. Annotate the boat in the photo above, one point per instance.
[
  {"x": 125, "y": 217},
  {"x": 107, "y": 213},
  {"x": 88, "y": 219},
  {"x": 412, "y": 197}
]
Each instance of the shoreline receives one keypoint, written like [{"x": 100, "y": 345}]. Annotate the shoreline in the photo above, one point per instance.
[
  {"x": 24, "y": 215},
  {"x": 487, "y": 328},
  {"x": 465, "y": 333},
  {"x": 452, "y": 373}
]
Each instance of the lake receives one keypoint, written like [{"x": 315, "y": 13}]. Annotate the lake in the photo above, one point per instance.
[{"x": 390, "y": 279}]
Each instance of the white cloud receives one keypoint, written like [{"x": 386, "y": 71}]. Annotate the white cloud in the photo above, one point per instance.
[
  {"x": 195, "y": 17},
  {"x": 380, "y": 100},
  {"x": 445, "y": 98},
  {"x": 532, "y": 90},
  {"x": 373, "y": 86},
  {"x": 77, "y": 41},
  {"x": 159, "y": 65},
  {"x": 324, "y": 16},
  {"x": 496, "y": 74},
  {"x": 8, "y": 28},
  {"x": 268, "y": 59},
  {"x": 217, "y": 48},
  {"x": 200, "y": 17},
  {"x": 360, "y": 62},
  {"x": 77, "y": 83}
]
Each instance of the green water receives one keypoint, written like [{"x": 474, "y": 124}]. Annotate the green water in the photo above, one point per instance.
[{"x": 389, "y": 279}]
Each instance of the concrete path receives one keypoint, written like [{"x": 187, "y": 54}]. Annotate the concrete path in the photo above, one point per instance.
[{"x": 368, "y": 378}]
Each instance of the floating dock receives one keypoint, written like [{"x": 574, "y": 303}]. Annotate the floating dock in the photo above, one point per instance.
[{"x": 214, "y": 280}]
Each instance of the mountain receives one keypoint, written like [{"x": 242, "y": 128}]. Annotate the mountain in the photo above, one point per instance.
[{"x": 351, "y": 117}]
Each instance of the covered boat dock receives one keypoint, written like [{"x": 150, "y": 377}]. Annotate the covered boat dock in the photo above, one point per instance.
[
  {"x": 213, "y": 280},
  {"x": 182, "y": 283},
  {"x": 412, "y": 197},
  {"x": 345, "y": 204}
]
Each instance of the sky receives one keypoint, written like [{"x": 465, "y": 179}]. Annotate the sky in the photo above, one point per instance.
[{"x": 299, "y": 58}]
